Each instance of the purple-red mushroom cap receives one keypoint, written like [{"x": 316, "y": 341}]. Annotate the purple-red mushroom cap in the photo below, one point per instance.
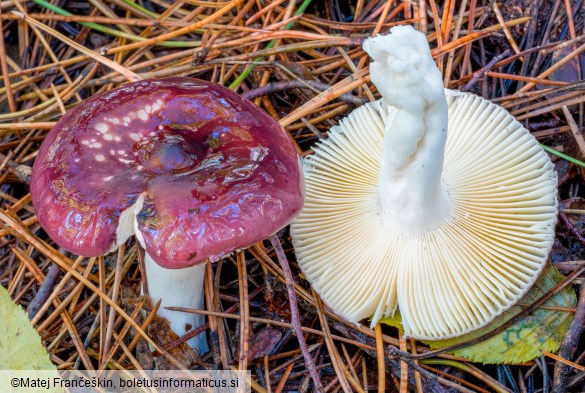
[{"x": 201, "y": 170}]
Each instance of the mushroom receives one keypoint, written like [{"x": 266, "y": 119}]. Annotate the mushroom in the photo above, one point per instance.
[
  {"x": 431, "y": 201},
  {"x": 189, "y": 167}
]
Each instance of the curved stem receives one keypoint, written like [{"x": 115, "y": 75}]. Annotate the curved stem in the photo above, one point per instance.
[{"x": 412, "y": 197}]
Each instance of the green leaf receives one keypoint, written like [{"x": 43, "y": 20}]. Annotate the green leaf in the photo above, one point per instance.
[
  {"x": 543, "y": 329},
  {"x": 394, "y": 321},
  {"x": 20, "y": 344}
]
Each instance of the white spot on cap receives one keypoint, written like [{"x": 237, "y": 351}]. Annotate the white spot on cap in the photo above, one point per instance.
[
  {"x": 147, "y": 109},
  {"x": 99, "y": 157},
  {"x": 123, "y": 161},
  {"x": 115, "y": 120},
  {"x": 113, "y": 152},
  {"x": 142, "y": 115},
  {"x": 117, "y": 138},
  {"x": 76, "y": 160},
  {"x": 134, "y": 136},
  {"x": 85, "y": 142},
  {"x": 122, "y": 152},
  {"x": 126, "y": 119},
  {"x": 108, "y": 178},
  {"x": 108, "y": 137},
  {"x": 139, "y": 167},
  {"x": 101, "y": 127}
]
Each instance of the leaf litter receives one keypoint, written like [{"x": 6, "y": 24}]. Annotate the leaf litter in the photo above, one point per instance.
[{"x": 302, "y": 62}]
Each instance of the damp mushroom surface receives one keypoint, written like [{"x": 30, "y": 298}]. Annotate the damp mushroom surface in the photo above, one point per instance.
[
  {"x": 432, "y": 202},
  {"x": 190, "y": 168}
]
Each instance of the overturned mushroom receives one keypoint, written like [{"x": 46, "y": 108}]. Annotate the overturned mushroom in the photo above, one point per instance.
[
  {"x": 189, "y": 167},
  {"x": 430, "y": 201}
]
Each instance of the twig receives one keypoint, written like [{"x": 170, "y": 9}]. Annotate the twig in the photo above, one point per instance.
[
  {"x": 572, "y": 228},
  {"x": 569, "y": 346},
  {"x": 274, "y": 87},
  {"x": 432, "y": 376},
  {"x": 403, "y": 366},
  {"x": 284, "y": 378},
  {"x": 294, "y": 311},
  {"x": 4, "y": 68},
  {"x": 506, "y": 30},
  {"x": 468, "y": 368},
  {"x": 244, "y": 312},
  {"x": 131, "y": 76},
  {"x": 10, "y": 222},
  {"x": 380, "y": 357},
  {"x": 115, "y": 294},
  {"x": 44, "y": 292},
  {"x": 477, "y": 75},
  {"x": 328, "y": 95},
  {"x": 333, "y": 354},
  {"x": 417, "y": 378},
  {"x": 577, "y": 134},
  {"x": 570, "y": 57}
]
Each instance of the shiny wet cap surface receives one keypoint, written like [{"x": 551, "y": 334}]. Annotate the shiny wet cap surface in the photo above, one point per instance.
[{"x": 216, "y": 172}]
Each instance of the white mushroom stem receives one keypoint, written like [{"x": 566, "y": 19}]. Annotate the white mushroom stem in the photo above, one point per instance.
[
  {"x": 179, "y": 288},
  {"x": 174, "y": 287},
  {"x": 411, "y": 195}
]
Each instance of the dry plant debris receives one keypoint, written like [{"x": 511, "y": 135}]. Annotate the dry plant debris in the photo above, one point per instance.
[{"x": 302, "y": 62}]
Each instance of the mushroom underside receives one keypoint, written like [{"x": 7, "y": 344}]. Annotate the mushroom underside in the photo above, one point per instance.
[{"x": 447, "y": 281}]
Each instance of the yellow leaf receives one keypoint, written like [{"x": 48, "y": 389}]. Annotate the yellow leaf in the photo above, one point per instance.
[{"x": 543, "y": 329}]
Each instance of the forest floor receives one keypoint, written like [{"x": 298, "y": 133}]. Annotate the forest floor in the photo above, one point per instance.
[{"x": 302, "y": 62}]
